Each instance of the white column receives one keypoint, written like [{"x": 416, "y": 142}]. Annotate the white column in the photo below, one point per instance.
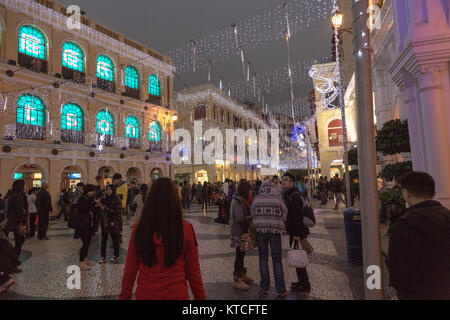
[
  {"x": 384, "y": 108},
  {"x": 437, "y": 150},
  {"x": 407, "y": 103}
]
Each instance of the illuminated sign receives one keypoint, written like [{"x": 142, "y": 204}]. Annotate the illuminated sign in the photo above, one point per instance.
[
  {"x": 75, "y": 176},
  {"x": 18, "y": 176},
  {"x": 37, "y": 176}
]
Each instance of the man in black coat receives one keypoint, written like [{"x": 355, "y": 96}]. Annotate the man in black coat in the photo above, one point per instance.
[
  {"x": 419, "y": 245},
  {"x": 297, "y": 231},
  {"x": 44, "y": 207},
  {"x": 17, "y": 214}
]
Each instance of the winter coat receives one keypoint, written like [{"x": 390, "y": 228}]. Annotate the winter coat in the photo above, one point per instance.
[
  {"x": 239, "y": 216},
  {"x": 186, "y": 191},
  {"x": 337, "y": 186},
  {"x": 268, "y": 210},
  {"x": 160, "y": 282},
  {"x": 43, "y": 202},
  {"x": 294, "y": 219},
  {"x": 85, "y": 213},
  {"x": 17, "y": 211},
  {"x": 231, "y": 191},
  {"x": 112, "y": 210},
  {"x": 419, "y": 252}
]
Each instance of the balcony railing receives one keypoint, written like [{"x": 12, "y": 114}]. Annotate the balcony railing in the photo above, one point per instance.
[
  {"x": 134, "y": 143},
  {"x": 34, "y": 64},
  {"x": 132, "y": 93},
  {"x": 107, "y": 142},
  {"x": 72, "y": 136},
  {"x": 106, "y": 85},
  {"x": 27, "y": 131},
  {"x": 155, "y": 146},
  {"x": 76, "y": 76},
  {"x": 154, "y": 100}
]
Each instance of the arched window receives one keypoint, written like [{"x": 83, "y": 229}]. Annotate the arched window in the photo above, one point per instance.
[
  {"x": 105, "y": 123},
  {"x": 72, "y": 117},
  {"x": 73, "y": 57},
  {"x": 30, "y": 121},
  {"x": 153, "y": 86},
  {"x": 72, "y": 125},
  {"x": 32, "y": 42},
  {"x": 132, "y": 128},
  {"x": 131, "y": 78},
  {"x": 155, "y": 131},
  {"x": 105, "y": 68},
  {"x": 335, "y": 133}
]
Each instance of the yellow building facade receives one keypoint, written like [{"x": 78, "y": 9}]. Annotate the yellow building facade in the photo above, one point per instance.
[
  {"x": 215, "y": 109},
  {"x": 79, "y": 103}
]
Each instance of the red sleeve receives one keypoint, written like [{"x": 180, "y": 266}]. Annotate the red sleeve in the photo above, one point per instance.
[
  {"x": 193, "y": 273},
  {"x": 131, "y": 270}
]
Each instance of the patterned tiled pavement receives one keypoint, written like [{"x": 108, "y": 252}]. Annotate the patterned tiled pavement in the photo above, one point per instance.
[{"x": 45, "y": 262}]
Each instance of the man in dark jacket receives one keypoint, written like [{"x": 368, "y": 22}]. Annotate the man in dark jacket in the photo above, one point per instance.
[
  {"x": 297, "y": 231},
  {"x": 337, "y": 189},
  {"x": 419, "y": 245},
  {"x": 44, "y": 207}
]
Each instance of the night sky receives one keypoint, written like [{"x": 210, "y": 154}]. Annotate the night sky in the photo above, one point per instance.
[{"x": 167, "y": 24}]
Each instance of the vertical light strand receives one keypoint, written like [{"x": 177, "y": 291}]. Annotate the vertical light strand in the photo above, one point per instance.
[
  {"x": 194, "y": 48},
  {"x": 248, "y": 71},
  {"x": 209, "y": 70},
  {"x": 6, "y": 101}
]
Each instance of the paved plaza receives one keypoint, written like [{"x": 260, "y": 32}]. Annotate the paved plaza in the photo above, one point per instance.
[{"x": 45, "y": 262}]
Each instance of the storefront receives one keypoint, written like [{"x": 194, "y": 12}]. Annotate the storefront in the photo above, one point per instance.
[
  {"x": 70, "y": 177},
  {"x": 31, "y": 174}
]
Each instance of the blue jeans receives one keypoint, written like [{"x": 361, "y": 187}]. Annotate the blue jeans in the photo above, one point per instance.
[{"x": 275, "y": 245}]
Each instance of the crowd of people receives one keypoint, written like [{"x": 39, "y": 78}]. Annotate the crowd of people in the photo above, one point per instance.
[{"x": 163, "y": 250}]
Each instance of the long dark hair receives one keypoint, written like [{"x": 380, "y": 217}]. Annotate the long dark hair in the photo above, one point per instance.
[
  {"x": 244, "y": 189},
  {"x": 161, "y": 215},
  {"x": 18, "y": 186}
]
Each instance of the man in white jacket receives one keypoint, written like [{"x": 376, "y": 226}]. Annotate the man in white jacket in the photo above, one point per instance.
[{"x": 225, "y": 187}]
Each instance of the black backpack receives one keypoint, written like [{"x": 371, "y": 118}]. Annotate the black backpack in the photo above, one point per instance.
[{"x": 309, "y": 219}]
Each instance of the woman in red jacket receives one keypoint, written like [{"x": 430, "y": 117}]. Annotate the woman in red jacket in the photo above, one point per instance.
[{"x": 163, "y": 249}]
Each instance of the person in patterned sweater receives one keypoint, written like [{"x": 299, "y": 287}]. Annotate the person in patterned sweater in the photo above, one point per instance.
[{"x": 269, "y": 212}]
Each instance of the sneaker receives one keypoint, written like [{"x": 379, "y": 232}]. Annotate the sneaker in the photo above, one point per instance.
[
  {"x": 102, "y": 261},
  {"x": 114, "y": 259},
  {"x": 7, "y": 284}
]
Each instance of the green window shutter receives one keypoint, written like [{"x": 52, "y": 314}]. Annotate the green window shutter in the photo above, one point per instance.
[
  {"x": 155, "y": 131},
  {"x": 32, "y": 42},
  {"x": 154, "y": 87},
  {"x": 72, "y": 117},
  {"x": 105, "y": 123},
  {"x": 131, "y": 78},
  {"x": 105, "y": 68},
  {"x": 73, "y": 57},
  {"x": 30, "y": 110},
  {"x": 132, "y": 127}
]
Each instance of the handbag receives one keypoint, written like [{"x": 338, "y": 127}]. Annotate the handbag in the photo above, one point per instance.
[
  {"x": 297, "y": 258},
  {"x": 248, "y": 239}
]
